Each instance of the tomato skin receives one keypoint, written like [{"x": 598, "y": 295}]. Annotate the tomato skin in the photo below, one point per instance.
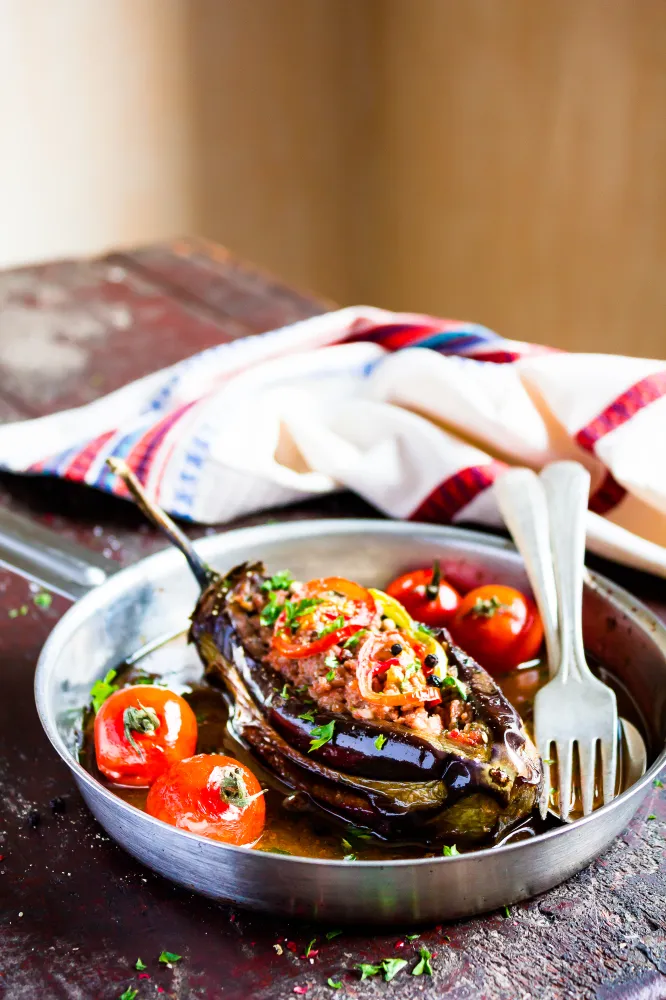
[
  {"x": 175, "y": 737},
  {"x": 505, "y": 636},
  {"x": 187, "y": 797},
  {"x": 356, "y": 605},
  {"x": 410, "y": 590}
]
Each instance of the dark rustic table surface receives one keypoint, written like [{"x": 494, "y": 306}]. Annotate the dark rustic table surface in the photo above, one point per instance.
[{"x": 76, "y": 911}]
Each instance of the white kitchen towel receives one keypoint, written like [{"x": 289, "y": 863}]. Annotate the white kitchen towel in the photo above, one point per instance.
[{"x": 416, "y": 414}]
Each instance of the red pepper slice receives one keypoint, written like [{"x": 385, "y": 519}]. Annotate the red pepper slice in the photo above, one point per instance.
[
  {"x": 337, "y": 599},
  {"x": 371, "y": 664}
]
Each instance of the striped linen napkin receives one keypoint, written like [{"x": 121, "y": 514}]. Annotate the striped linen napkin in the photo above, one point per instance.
[{"x": 416, "y": 414}]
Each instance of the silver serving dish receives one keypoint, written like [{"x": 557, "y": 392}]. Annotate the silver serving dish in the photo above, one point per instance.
[{"x": 136, "y": 607}]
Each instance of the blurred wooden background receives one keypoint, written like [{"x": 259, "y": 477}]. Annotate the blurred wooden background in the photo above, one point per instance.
[{"x": 495, "y": 160}]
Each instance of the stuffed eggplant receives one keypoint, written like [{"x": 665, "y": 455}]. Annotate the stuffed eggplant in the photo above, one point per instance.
[
  {"x": 377, "y": 720},
  {"x": 363, "y": 712}
]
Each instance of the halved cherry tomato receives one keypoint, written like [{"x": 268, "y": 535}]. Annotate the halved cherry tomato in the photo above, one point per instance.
[
  {"x": 498, "y": 626},
  {"x": 427, "y": 597},
  {"x": 213, "y": 795},
  {"x": 391, "y": 670},
  {"x": 141, "y": 731},
  {"x": 329, "y": 611}
]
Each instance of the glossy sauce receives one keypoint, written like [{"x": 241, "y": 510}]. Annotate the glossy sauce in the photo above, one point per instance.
[{"x": 292, "y": 828}]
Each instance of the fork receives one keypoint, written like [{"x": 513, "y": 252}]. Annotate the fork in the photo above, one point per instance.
[{"x": 574, "y": 709}]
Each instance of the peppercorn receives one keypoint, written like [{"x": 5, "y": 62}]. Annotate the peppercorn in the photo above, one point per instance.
[
  {"x": 431, "y": 661},
  {"x": 434, "y": 681},
  {"x": 396, "y": 648}
]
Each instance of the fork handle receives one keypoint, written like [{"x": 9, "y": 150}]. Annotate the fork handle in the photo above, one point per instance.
[
  {"x": 522, "y": 502},
  {"x": 567, "y": 486}
]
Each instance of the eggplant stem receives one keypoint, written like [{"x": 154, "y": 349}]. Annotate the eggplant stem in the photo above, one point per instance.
[{"x": 203, "y": 573}]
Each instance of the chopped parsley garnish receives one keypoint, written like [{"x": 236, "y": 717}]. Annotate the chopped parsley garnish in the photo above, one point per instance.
[
  {"x": 139, "y": 720},
  {"x": 332, "y": 983},
  {"x": 277, "y": 850},
  {"x": 392, "y": 967},
  {"x": 380, "y": 741},
  {"x": 330, "y": 676},
  {"x": 424, "y": 965},
  {"x": 331, "y": 661},
  {"x": 420, "y": 627},
  {"x": 271, "y": 612},
  {"x": 350, "y": 857},
  {"x": 450, "y": 852},
  {"x": 449, "y": 681},
  {"x": 279, "y": 581},
  {"x": 140, "y": 965},
  {"x": 294, "y": 611},
  {"x": 548, "y": 760},
  {"x": 412, "y": 937},
  {"x": 169, "y": 957},
  {"x": 310, "y": 947},
  {"x": 657, "y": 783},
  {"x": 332, "y": 934},
  {"x": 320, "y": 735},
  {"x": 307, "y": 717},
  {"x": 507, "y": 912},
  {"x": 331, "y": 627},
  {"x": 130, "y": 993},
  {"x": 101, "y": 690},
  {"x": 42, "y": 599},
  {"x": 284, "y": 693},
  {"x": 652, "y": 816},
  {"x": 353, "y": 640},
  {"x": 354, "y": 831}
]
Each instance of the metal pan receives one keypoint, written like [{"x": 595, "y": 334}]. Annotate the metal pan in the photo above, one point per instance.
[{"x": 136, "y": 607}]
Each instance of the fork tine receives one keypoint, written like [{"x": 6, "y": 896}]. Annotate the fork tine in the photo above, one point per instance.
[
  {"x": 544, "y": 798},
  {"x": 587, "y": 758},
  {"x": 565, "y": 768},
  {"x": 609, "y": 766}
]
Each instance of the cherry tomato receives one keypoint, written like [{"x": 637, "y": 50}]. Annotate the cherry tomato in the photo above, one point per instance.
[
  {"x": 329, "y": 611},
  {"x": 427, "y": 597},
  {"x": 213, "y": 795},
  {"x": 391, "y": 670},
  {"x": 498, "y": 626},
  {"x": 141, "y": 731}
]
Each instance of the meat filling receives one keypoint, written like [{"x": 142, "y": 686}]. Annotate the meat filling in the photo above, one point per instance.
[{"x": 330, "y": 677}]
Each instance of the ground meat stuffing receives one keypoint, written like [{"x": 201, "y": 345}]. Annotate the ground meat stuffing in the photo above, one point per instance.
[{"x": 330, "y": 678}]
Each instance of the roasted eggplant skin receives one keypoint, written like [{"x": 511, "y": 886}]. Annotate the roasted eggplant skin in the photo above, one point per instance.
[{"x": 470, "y": 795}]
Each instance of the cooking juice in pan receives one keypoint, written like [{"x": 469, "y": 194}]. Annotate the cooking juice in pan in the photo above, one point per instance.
[{"x": 292, "y": 827}]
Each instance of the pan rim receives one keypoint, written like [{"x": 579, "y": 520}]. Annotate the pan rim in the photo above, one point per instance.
[{"x": 631, "y": 606}]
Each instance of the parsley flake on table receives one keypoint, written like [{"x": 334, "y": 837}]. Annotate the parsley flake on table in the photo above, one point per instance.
[
  {"x": 101, "y": 690},
  {"x": 652, "y": 816},
  {"x": 657, "y": 783},
  {"x": 450, "y": 852},
  {"x": 392, "y": 967},
  {"x": 423, "y": 966},
  {"x": 130, "y": 993},
  {"x": 308, "y": 950},
  {"x": 332, "y": 983},
  {"x": 380, "y": 741},
  {"x": 412, "y": 937},
  {"x": 140, "y": 965},
  {"x": 43, "y": 599},
  {"x": 507, "y": 912},
  {"x": 367, "y": 970},
  {"x": 332, "y": 934},
  {"x": 350, "y": 857},
  {"x": 307, "y": 717},
  {"x": 321, "y": 735},
  {"x": 169, "y": 958}
]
